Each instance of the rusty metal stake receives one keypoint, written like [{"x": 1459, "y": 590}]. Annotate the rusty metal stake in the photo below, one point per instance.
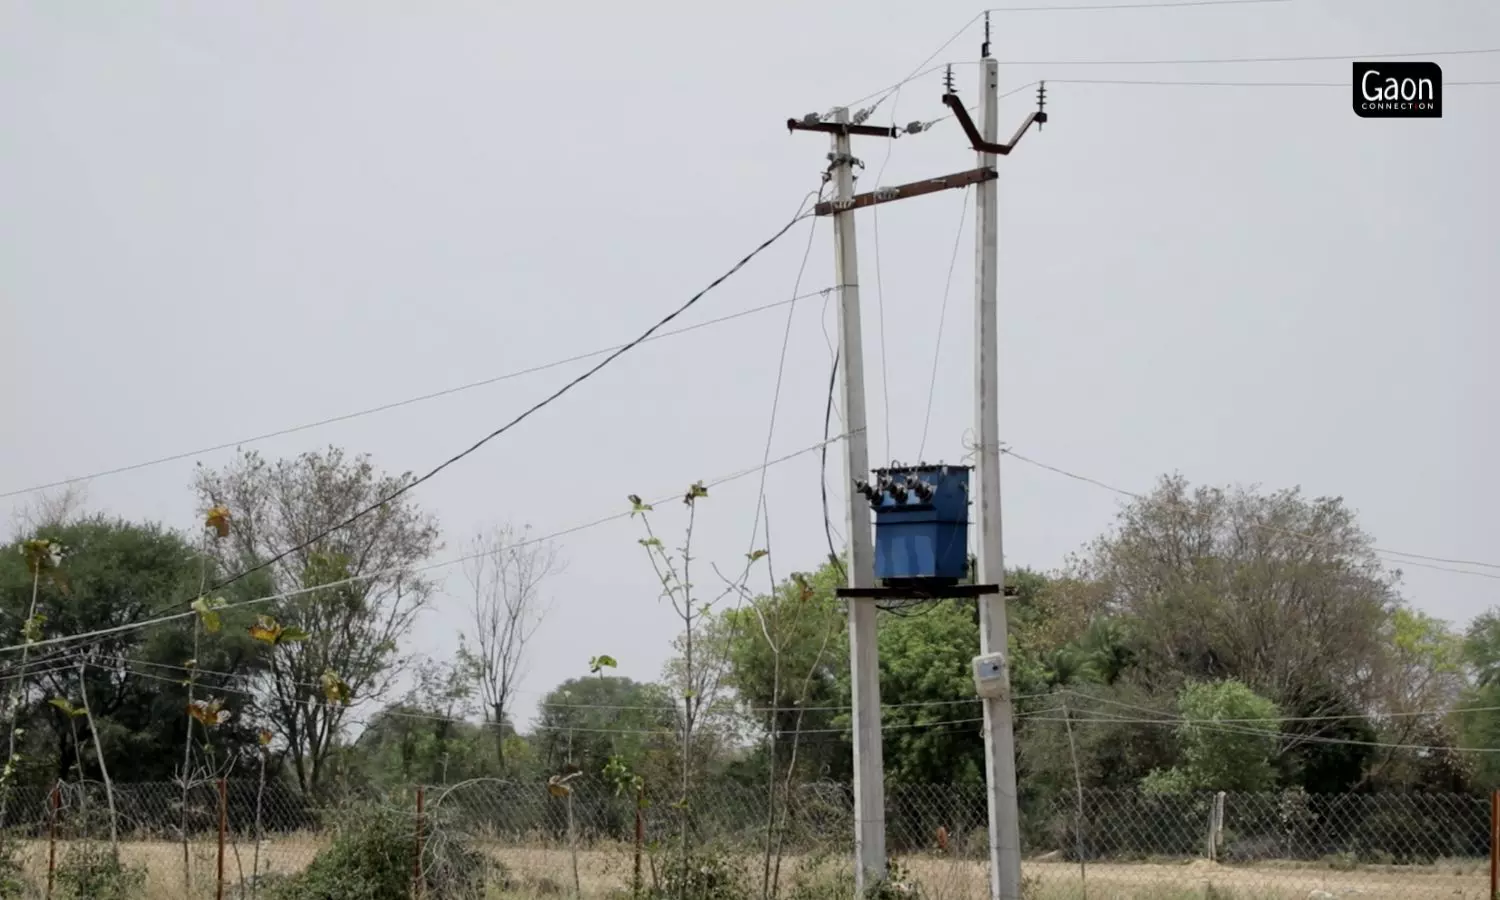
[
  {"x": 640, "y": 839},
  {"x": 52, "y": 838},
  {"x": 1495, "y": 845},
  {"x": 416, "y": 867},
  {"x": 223, "y": 827}
]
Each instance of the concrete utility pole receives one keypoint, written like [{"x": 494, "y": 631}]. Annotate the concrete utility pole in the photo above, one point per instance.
[
  {"x": 869, "y": 769},
  {"x": 999, "y": 736},
  {"x": 991, "y": 677}
]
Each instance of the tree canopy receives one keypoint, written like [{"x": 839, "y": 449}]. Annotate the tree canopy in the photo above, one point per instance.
[{"x": 1211, "y": 639}]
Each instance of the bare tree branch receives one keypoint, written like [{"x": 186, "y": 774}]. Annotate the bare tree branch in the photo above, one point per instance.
[{"x": 506, "y": 577}]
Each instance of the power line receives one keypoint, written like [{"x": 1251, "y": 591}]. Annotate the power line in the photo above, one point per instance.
[
  {"x": 296, "y": 592},
  {"x": 880, "y": 95},
  {"x": 393, "y": 712},
  {"x": 1294, "y": 534},
  {"x": 397, "y": 404},
  {"x": 1099, "y": 7},
  {"x": 761, "y": 507},
  {"x": 1236, "y": 60},
  {"x": 1037, "y": 716},
  {"x": 786, "y": 339},
  {"x": 929, "y": 124},
  {"x": 1343, "y": 717},
  {"x": 833, "y": 554},
  {"x": 885, "y": 371},
  {"x": 662, "y": 707},
  {"x": 1265, "y": 84},
  {"x": 937, "y": 350},
  {"x": 919, "y": 71},
  {"x": 536, "y": 407},
  {"x": 1210, "y": 725}
]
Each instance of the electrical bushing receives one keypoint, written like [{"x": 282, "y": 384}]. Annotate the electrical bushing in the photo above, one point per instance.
[{"x": 921, "y": 524}]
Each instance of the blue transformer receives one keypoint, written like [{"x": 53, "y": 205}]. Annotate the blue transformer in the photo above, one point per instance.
[{"x": 921, "y": 524}]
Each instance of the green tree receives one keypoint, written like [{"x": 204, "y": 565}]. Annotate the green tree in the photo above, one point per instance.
[
  {"x": 1278, "y": 590},
  {"x": 1474, "y": 720},
  {"x": 1329, "y": 744},
  {"x": 927, "y": 684},
  {"x": 425, "y": 738},
  {"x": 117, "y": 572},
  {"x": 926, "y": 676},
  {"x": 1227, "y": 741},
  {"x": 1114, "y": 747},
  {"x": 585, "y": 721},
  {"x": 351, "y": 586},
  {"x": 1422, "y": 677},
  {"x": 784, "y": 652}
]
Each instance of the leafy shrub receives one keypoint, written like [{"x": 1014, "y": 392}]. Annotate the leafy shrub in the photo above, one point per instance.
[
  {"x": 373, "y": 859},
  {"x": 820, "y": 881},
  {"x": 896, "y": 885},
  {"x": 706, "y": 875},
  {"x": 91, "y": 872}
]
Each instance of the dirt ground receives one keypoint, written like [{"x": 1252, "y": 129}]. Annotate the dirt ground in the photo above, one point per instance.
[{"x": 548, "y": 872}]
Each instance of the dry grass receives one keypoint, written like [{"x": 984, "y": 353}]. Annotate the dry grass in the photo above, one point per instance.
[
  {"x": 544, "y": 872},
  {"x": 602, "y": 872},
  {"x": 162, "y": 862}
]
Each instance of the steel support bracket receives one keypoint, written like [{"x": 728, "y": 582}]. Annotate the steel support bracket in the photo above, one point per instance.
[
  {"x": 841, "y": 128},
  {"x": 903, "y": 191},
  {"x": 972, "y": 131}
]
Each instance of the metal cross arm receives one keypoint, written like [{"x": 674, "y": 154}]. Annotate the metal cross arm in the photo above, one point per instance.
[
  {"x": 845, "y": 128},
  {"x": 1039, "y": 117},
  {"x": 903, "y": 191}
]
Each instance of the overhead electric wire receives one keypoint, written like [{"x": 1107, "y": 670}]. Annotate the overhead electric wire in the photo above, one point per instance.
[
  {"x": 880, "y": 95},
  {"x": 786, "y": 339},
  {"x": 1159, "y": 717},
  {"x": 663, "y": 707},
  {"x": 283, "y": 595},
  {"x": 937, "y": 351},
  {"x": 1037, "y": 716},
  {"x": 1100, "y": 7},
  {"x": 1210, "y": 725},
  {"x": 761, "y": 508},
  {"x": 409, "y": 401},
  {"x": 1237, "y": 60},
  {"x": 1257, "y": 84},
  {"x": 1381, "y": 551},
  {"x": 433, "y": 717},
  {"x": 1084, "y": 7},
  {"x": 527, "y": 413},
  {"x": 1177, "y": 717},
  {"x": 885, "y": 370},
  {"x": 930, "y": 123},
  {"x": 833, "y": 554}
]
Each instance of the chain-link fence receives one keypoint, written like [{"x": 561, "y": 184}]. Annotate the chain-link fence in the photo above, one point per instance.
[{"x": 599, "y": 842}]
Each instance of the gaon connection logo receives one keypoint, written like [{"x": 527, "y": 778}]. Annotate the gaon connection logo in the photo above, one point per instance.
[{"x": 1398, "y": 90}]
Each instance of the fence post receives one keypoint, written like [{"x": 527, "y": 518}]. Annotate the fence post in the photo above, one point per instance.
[
  {"x": 1215, "y": 822},
  {"x": 1494, "y": 845},
  {"x": 640, "y": 838},
  {"x": 418, "y": 882},
  {"x": 56, "y": 799},
  {"x": 223, "y": 827}
]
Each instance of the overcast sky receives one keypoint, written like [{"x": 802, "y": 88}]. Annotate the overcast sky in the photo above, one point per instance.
[{"x": 218, "y": 220}]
